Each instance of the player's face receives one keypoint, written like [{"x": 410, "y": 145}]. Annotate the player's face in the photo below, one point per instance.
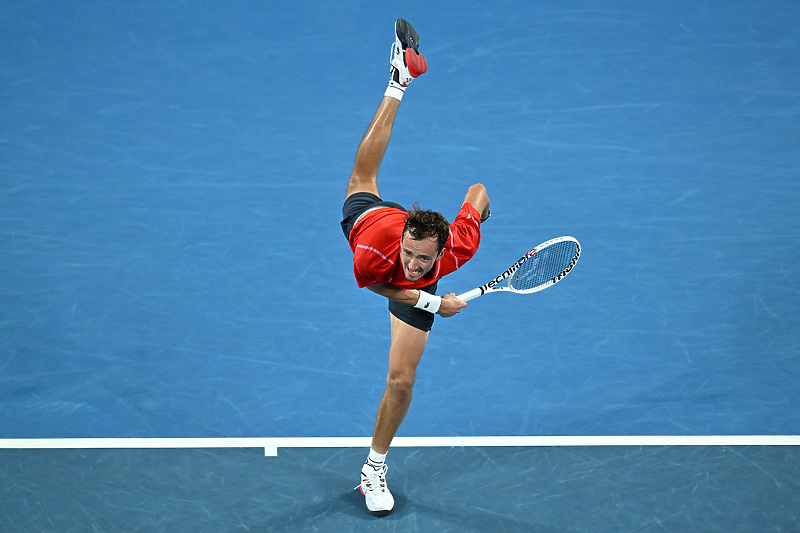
[{"x": 418, "y": 256}]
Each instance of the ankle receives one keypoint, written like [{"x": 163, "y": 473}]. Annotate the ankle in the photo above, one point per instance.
[
  {"x": 395, "y": 90},
  {"x": 376, "y": 459}
]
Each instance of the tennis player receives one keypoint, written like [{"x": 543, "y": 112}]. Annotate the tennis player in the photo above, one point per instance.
[{"x": 401, "y": 255}]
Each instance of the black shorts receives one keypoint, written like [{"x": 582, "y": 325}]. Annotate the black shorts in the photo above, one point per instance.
[
  {"x": 354, "y": 206},
  {"x": 412, "y": 316}
]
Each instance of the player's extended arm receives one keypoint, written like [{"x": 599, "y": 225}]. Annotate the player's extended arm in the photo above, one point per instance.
[{"x": 450, "y": 304}]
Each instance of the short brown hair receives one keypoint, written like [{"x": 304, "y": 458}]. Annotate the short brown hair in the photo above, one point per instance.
[{"x": 422, "y": 223}]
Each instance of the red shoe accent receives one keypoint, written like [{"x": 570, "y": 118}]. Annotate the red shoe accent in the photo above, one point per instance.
[{"x": 416, "y": 63}]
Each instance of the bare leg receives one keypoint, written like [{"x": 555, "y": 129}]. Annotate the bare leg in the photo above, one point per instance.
[
  {"x": 408, "y": 344},
  {"x": 364, "y": 177}
]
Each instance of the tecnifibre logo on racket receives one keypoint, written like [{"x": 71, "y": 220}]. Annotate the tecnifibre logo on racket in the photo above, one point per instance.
[
  {"x": 569, "y": 267},
  {"x": 504, "y": 275}
]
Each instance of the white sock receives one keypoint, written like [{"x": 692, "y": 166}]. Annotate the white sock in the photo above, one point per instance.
[
  {"x": 376, "y": 458},
  {"x": 395, "y": 90}
]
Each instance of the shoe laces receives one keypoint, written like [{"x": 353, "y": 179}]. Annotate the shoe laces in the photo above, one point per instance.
[{"x": 375, "y": 478}]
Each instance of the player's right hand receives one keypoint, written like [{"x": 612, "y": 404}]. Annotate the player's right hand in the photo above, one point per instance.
[{"x": 451, "y": 305}]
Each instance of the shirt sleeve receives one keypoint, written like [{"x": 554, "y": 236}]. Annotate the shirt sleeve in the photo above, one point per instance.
[{"x": 465, "y": 235}]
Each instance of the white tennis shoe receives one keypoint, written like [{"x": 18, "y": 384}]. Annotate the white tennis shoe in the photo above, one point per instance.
[
  {"x": 407, "y": 62},
  {"x": 380, "y": 501}
]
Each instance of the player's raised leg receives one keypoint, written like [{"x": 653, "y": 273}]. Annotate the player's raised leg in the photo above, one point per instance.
[
  {"x": 364, "y": 177},
  {"x": 406, "y": 65}
]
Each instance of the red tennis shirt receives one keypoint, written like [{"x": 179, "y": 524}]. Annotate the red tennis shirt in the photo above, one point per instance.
[{"x": 375, "y": 241}]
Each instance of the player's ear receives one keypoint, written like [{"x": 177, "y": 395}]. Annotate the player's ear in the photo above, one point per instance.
[{"x": 441, "y": 254}]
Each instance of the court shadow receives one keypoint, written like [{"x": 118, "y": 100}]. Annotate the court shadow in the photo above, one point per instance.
[
  {"x": 346, "y": 512},
  {"x": 342, "y": 512}
]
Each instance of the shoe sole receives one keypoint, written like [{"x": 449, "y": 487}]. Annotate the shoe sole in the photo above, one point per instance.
[
  {"x": 375, "y": 513},
  {"x": 406, "y": 34}
]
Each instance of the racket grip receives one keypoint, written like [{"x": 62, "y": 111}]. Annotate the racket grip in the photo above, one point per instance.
[{"x": 469, "y": 295}]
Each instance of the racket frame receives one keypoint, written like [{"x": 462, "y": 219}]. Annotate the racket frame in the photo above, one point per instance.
[{"x": 494, "y": 285}]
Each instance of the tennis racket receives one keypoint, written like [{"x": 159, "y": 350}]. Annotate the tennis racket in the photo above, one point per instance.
[{"x": 542, "y": 267}]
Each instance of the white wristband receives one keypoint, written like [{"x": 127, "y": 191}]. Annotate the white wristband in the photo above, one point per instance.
[{"x": 428, "y": 302}]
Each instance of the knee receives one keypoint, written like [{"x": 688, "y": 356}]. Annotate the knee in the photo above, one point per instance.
[{"x": 400, "y": 385}]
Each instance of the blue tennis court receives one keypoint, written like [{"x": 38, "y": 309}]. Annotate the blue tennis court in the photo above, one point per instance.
[{"x": 172, "y": 267}]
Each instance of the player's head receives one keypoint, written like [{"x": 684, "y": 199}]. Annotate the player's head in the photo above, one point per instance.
[{"x": 422, "y": 243}]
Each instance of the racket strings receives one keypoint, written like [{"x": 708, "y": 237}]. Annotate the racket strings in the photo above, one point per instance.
[{"x": 545, "y": 265}]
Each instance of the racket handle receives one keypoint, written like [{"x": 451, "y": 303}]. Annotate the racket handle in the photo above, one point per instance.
[{"x": 469, "y": 295}]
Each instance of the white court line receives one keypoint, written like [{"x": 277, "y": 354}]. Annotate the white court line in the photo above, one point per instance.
[{"x": 272, "y": 444}]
